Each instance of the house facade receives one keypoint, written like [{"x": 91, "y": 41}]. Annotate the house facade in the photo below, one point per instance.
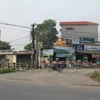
[
  {"x": 73, "y": 29},
  {"x": 9, "y": 56}
]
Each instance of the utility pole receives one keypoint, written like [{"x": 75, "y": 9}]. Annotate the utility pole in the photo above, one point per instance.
[
  {"x": 37, "y": 51},
  {"x": 40, "y": 46},
  {"x": 33, "y": 47}
]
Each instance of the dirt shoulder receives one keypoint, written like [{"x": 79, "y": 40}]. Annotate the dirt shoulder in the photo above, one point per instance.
[{"x": 43, "y": 77}]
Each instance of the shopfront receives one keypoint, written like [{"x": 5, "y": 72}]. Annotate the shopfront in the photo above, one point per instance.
[
  {"x": 64, "y": 53},
  {"x": 93, "y": 57},
  {"x": 87, "y": 52},
  {"x": 96, "y": 57}
]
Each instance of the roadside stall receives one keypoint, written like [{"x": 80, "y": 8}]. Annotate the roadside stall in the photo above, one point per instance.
[{"x": 66, "y": 54}]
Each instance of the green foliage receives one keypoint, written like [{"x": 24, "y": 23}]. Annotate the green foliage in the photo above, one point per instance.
[
  {"x": 96, "y": 75},
  {"x": 98, "y": 78},
  {"x": 46, "y": 33},
  {"x": 6, "y": 70},
  {"x": 4, "y": 45},
  {"x": 28, "y": 47}
]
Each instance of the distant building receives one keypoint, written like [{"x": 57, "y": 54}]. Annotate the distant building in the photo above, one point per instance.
[
  {"x": 14, "y": 56},
  {"x": 73, "y": 29}
]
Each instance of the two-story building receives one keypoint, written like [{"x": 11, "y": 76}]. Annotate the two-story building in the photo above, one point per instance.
[{"x": 73, "y": 29}]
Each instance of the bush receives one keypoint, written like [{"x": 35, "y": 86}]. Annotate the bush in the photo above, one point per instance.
[
  {"x": 98, "y": 79},
  {"x": 96, "y": 75},
  {"x": 6, "y": 70}
]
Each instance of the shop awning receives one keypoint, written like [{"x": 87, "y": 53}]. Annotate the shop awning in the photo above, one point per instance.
[
  {"x": 60, "y": 51},
  {"x": 63, "y": 55},
  {"x": 91, "y": 52}
]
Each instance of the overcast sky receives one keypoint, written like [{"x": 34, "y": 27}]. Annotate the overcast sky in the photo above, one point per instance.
[{"x": 26, "y": 12}]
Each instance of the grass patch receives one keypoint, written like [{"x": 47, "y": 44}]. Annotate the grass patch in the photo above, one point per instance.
[
  {"x": 6, "y": 70},
  {"x": 96, "y": 75}
]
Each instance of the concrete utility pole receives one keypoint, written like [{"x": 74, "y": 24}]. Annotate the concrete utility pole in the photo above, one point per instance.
[
  {"x": 33, "y": 47},
  {"x": 0, "y": 35},
  {"x": 39, "y": 57},
  {"x": 37, "y": 51}
]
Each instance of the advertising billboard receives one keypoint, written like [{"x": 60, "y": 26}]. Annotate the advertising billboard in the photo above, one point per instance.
[{"x": 47, "y": 52}]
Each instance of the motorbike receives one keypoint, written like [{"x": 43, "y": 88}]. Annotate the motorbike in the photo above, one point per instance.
[{"x": 56, "y": 67}]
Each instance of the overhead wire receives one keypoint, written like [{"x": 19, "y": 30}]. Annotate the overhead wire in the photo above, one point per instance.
[
  {"x": 19, "y": 44},
  {"x": 19, "y": 39},
  {"x": 13, "y": 29},
  {"x": 2, "y": 23},
  {"x": 15, "y": 25}
]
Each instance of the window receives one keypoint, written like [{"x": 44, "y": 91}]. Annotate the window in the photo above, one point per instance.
[{"x": 69, "y": 28}]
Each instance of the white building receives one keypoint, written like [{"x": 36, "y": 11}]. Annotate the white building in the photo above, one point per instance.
[{"x": 73, "y": 29}]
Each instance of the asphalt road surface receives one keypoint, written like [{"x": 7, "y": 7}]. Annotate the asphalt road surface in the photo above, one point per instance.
[{"x": 22, "y": 91}]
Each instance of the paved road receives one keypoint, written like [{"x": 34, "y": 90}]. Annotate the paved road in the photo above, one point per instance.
[{"x": 22, "y": 91}]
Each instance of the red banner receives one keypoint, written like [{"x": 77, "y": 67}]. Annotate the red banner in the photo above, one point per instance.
[{"x": 95, "y": 55}]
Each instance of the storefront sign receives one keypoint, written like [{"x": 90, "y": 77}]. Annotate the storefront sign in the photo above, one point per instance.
[
  {"x": 95, "y": 55},
  {"x": 91, "y": 48},
  {"x": 47, "y": 52},
  {"x": 79, "y": 47},
  {"x": 75, "y": 40},
  {"x": 58, "y": 49},
  {"x": 87, "y": 40}
]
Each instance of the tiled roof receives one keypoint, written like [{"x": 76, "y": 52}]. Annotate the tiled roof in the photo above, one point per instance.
[{"x": 78, "y": 23}]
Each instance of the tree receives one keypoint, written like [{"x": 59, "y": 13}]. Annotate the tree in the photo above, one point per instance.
[
  {"x": 28, "y": 46},
  {"x": 4, "y": 45},
  {"x": 46, "y": 33}
]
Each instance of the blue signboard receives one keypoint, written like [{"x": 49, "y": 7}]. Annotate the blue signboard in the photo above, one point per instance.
[
  {"x": 79, "y": 47},
  {"x": 87, "y": 40}
]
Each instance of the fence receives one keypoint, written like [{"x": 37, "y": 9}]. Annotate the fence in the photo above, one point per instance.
[
  {"x": 46, "y": 64},
  {"x": 15, "y": 65}
]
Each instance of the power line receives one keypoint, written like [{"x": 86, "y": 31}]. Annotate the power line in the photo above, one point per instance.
[
  {"x": 19, "y": 39},
  {"x": 20, "y": 44},
  {"x": 14, "y": 29},
  {"x": 14, "y": 25}
]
